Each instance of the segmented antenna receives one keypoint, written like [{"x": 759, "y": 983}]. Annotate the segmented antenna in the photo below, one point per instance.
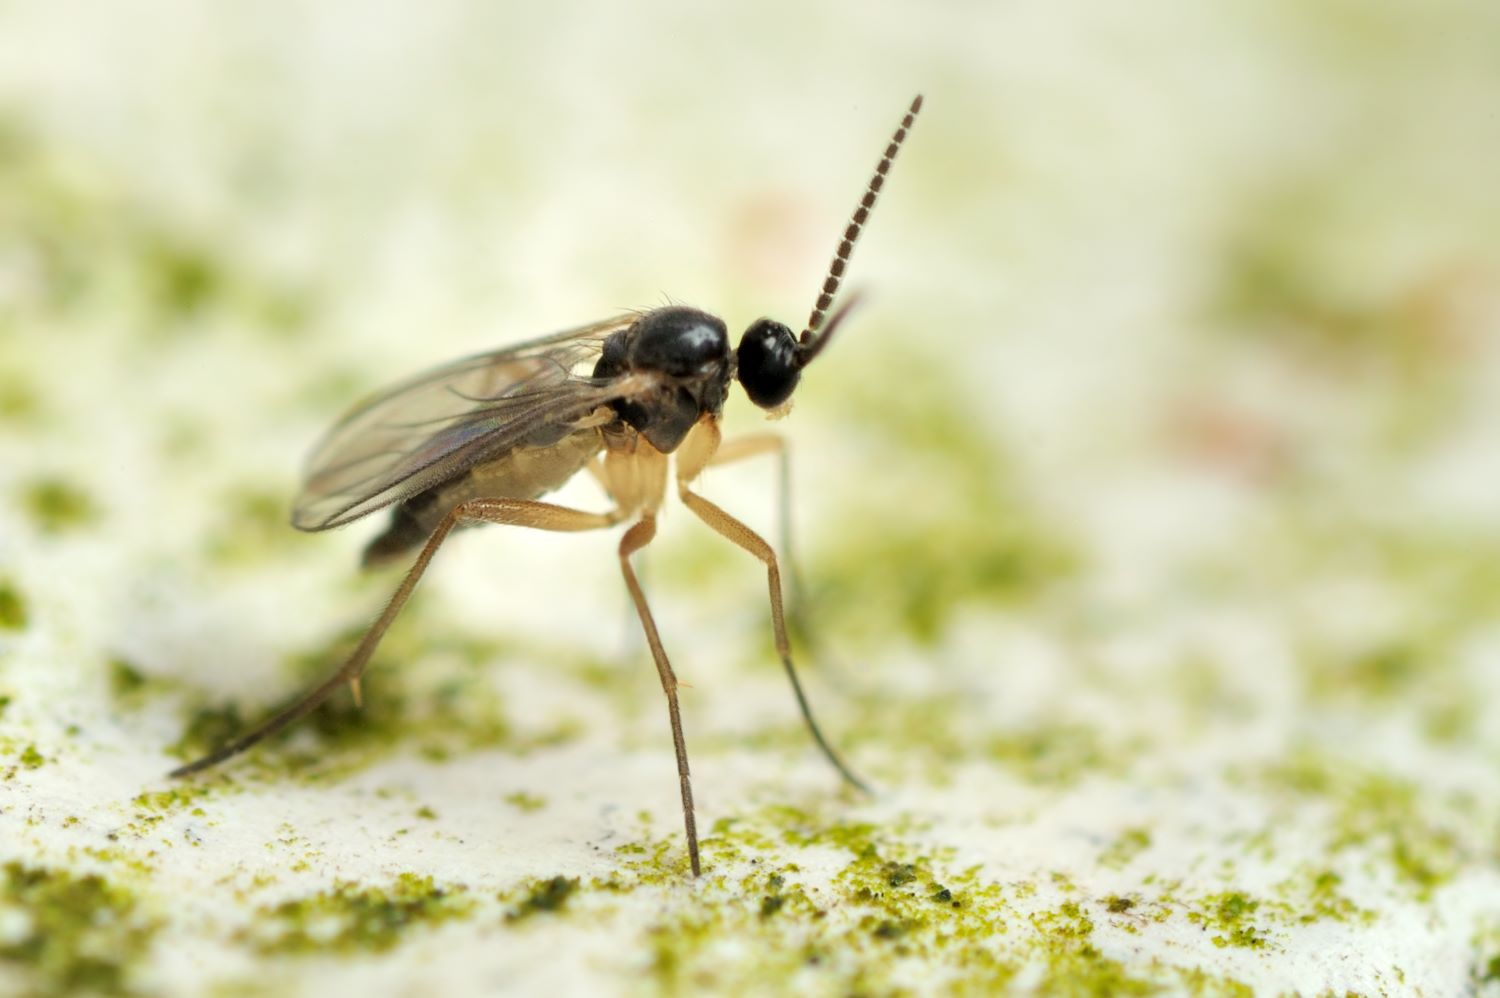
[{"x": 851, "y": 233}]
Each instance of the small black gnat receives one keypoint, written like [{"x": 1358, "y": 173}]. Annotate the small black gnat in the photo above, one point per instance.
[{"x": 634, "y": 400}]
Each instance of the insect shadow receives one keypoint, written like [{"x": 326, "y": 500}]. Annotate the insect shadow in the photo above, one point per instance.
[{"x": 633, "y": 400}]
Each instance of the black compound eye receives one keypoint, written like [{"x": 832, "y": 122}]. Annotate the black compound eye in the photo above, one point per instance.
[{"x": 767, "y": 363}]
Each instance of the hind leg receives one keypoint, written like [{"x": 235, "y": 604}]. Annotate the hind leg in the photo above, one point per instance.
[{"x": 515, "y": 512}]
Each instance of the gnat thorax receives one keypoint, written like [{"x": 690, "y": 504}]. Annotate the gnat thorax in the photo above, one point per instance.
[{"x": 688, "y": 351}]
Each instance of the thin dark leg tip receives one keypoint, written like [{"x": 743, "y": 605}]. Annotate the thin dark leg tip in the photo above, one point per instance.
[
  {"x": 849, "y": 777},
  {"x": 188, "y": 769},
  {"x": 195, "y": 767}
]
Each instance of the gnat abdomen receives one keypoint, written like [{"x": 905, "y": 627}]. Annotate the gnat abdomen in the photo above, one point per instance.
[{"x": 524, "y": 473}]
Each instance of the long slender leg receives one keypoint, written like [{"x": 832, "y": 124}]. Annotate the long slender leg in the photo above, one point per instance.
[
  {"x": 754, "y": 445},
  {"x": 752, "y": 542},
  {"x": 799, "y": 596},
  {"x": 636, "y": 538},
  {"x": 516, "y": 512}
]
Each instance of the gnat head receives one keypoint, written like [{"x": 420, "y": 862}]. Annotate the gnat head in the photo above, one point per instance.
[{"x": 770, "y": 358}]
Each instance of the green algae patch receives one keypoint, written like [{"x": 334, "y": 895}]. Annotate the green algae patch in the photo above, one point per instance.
[
  {"x": 927, "y": 737},
  {"x": 205, "y": 729},
  {"x": 542, "y": 896},
  {"x": 1072, "y": 964},
  {"x": 526, "y": 802},
  {"x": 1381, "y": 674},
  {"x": 1423, "y": 839},
  {"x": 180, "y": 279},
  {"x": 31, "y": 758},
  {"x": 48, "y": 217},
  {"x": 57, "y": 506},
  {"x": 79, "y": 933},
  {"x": 19, "y": 403},
  {"x": 182, "y": 276},
  {"x": 12, "y": 607},
  {"x": 125, "y": 680},
  {"x": 353, "y": 918},
  {"x": 253, "y": 527},
  {"x": 887, "y": 916},
  {"x": 421, "y": 694},
  {"x": 133, "y": 686},
  {"x": 89, "y": 242},
  {"x": 1448, "y": 583},
  {"x": 1315, "y": 895},
  {"x": 1238, "y": 919},
  {"x": 159, "y": 803},
  {"x": 943, "y": 567},
  {"x": 1130, "y": 844},
  {"x": 955, "y": 527},
  {"x": 1231, "y": 917},
  {"x": 1058, "y": 755},
  {"x": 1386, "y": 812},
  {"x": 1285, "y": 281},
  {"x": 1484, "y": 970}
]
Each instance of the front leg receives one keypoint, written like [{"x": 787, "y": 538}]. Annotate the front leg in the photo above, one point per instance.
[
  {"x": 754, "y": 445},
  {"x": 697, "y": 451}
]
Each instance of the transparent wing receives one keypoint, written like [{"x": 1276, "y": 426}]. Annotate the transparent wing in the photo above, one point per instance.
[{"x": 433, "y": 427}]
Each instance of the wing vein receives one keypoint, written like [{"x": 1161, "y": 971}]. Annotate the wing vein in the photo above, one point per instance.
[{"x": 438, "y": 425}]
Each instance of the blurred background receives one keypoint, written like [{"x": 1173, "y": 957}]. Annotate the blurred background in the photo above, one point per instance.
[{"x": 1156, "y": 478}]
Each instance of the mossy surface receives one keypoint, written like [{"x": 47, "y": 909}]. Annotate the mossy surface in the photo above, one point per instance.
[
  {"x": 976, "y": 536},
  {"x": 545, "y": 896},
  {"x": 435, "y": 710},
  {"x": 58, "y": 506},
  {"x": 13, "y": 615},
  {"x": 880, "y": 916},
  {"x": 71, "y": 933},
  {"x": 356, "y": 918},
  {"x": 1422, "y": 838},
  {"x": 1149, "y": 566}
]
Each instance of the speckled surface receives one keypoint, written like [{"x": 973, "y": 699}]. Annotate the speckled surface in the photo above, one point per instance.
[{"x": 1149, "y": 509}]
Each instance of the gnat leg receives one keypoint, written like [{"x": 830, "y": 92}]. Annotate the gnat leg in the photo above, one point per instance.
[
  {"x": 754, "y": 445},
  {"x": 798, "y": 596},
  {"x": 744, "y": 537},
  {"x": 636, "y": 538},
  {"x": 515, "y": 512}
]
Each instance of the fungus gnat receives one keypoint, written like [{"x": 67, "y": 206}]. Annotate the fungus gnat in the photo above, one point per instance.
[{"x": 481, "y": 439}]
